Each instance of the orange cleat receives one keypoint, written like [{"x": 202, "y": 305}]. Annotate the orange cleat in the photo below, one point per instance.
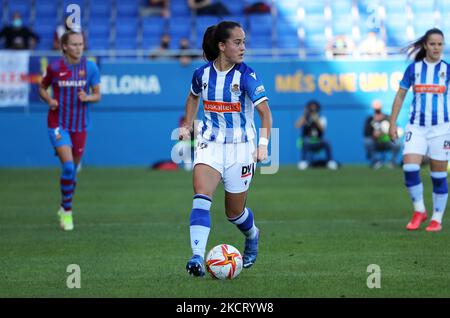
[
  {"x": 434, "y": 226},
  {"x": 416, "y": 220}
]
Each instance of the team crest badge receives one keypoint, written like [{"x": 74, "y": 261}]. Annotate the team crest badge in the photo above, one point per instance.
[
  {"x": 81, "y": 73},
  {"x": 447, "y": 145},
  {"x": 442, "y": 75},
  {"x": 235, "y": 90}
]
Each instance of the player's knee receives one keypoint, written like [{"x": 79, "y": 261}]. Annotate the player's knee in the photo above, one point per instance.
[
  {"x": 412, "y": 174},
  {"x": 68, "y": 170},
  {"x": 440, "y": 184}
]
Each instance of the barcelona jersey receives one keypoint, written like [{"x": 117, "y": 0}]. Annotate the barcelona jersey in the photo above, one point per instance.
[{"x": 67, "y": 80}]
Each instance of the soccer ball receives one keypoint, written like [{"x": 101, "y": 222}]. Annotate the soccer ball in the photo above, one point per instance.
[{"x": 224, "y": 262}]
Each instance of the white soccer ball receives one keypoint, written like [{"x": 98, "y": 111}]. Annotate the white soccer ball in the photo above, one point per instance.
[{"x": 224, "y": 261}]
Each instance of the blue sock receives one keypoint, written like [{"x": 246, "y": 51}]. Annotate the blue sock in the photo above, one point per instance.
[
  {"x": 440, "y": 194},
  {"x": 200, "y": 223},
  {"x": 414, "y": 186},
  {"x": 67, "y": 185},
  {"x": 245, "y": 222}
]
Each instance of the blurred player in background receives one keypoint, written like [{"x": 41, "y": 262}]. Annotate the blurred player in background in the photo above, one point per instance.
[
  {"x": 72, "y": 77},
  {"x": 225, "y": 144},
  {"x": 428, "y": 130}
]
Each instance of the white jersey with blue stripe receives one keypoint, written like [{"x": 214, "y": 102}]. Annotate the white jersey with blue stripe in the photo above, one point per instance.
[
  {"x": 229, "y": 100},
  {"x": 430, "y": 83}
]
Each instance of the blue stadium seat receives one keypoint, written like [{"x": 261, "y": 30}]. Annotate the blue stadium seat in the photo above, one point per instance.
[
  {"x": 45, "y": 30},
  {"x": 443, "y": 6},
  {"x": 286, "y": 29},
  {"x": 201, "y": 24},
  {"x": 100, "y": 9},
  {"x": 396, "y": 25},
  {"x": 315, "y": 24},
  {"x": 150, "y": 41},
  {"x": 259, "y": 41},
  {"x": 316, "y": 45},
  {"x": 98, "y": 43},
  {"x": 236, "y": 7},
  {"x": 98, "y": 29},
  {"x": 423, "y": 22},
  {"x": 153, "y": 26},
  {"x": 287, "y": 11},
  {"x": 261, "y": 25},
  {"x": 395, "y": 7},
  {"x": 126, "y": 27},
  {"x": 128, "y": 8},
  {"x": 313, "y": 7},
  {"x": 422, "y": 6},
  {"x": 179, "y": 27},
  {"x": 288, "y": 41},
  {"x": 179, "y": 8},
  {"x": 341, "y": 8},
  {"x": 125, "y": 43},
  {"x": 45, "y": 10},
  {"x": 342, "y": 25}
]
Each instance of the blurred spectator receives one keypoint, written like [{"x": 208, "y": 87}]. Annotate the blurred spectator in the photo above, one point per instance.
[
  {"x": 163, "y": 50},
  {"x": 340, "y": 46},
  {"x": 206, "y": 7},
  {"x": 155, "y": 7},
  {"x": 185, "y": 53},
  {"x": 372, "y": 46},
  {"x": 17, "y": 36},
  {"x": 376, "y": 138},
  {"x": 61, "y": 29},
  {"x": 259, "y": 7},
  {"x": 313, "y": 126}
]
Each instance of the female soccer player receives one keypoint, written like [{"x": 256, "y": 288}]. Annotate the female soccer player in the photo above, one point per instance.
[
  {"x": 71, "y": 77},
  {"x": 225, "y": 144},
  {"x": 428, "y": 130}
]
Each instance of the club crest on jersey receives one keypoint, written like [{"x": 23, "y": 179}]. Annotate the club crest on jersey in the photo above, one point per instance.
[
  {"x": 442, "y": 75},
  {"x": 447, "y": 144},
  {"x": 81, "y": 73},
  {"x": 235, "y": 90}
]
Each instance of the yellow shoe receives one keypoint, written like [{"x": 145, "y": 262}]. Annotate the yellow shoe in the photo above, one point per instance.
[{"x": 65, "y": 220}]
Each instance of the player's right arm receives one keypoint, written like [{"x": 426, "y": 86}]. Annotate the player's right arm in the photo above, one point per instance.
[
  {"x": 43, "y": 93},
  {"x": 398, "y": 102},
  {"x": 404, "y": 85},
  {"x": 190, "y": 112}
]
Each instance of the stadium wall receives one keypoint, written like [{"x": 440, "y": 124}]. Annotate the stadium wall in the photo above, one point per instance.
[{"x": 142, "y": 103}]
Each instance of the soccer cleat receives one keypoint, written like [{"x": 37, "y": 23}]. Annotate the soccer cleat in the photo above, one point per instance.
[
  {"x": 195, "y": 266},
  {"x": 65, "y": 220},
  {"x": 250, "y": 251},
  {"x": 434, "y": 226},
  {"x": 417, "y": 219}
]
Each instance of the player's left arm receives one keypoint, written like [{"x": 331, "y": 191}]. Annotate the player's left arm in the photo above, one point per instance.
[
  {"x": 266, "y": 125},
  {"x": 93, "y": 97},
  {"x": 94, "y": 83}
]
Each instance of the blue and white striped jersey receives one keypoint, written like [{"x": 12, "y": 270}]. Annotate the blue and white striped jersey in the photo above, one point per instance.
[
  {"x": 229, "y": 99},
  {"x": 430, "y": 83}
]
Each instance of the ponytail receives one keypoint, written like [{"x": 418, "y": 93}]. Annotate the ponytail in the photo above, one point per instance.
[
  {"x": 417, "y": 49},
  {"x": 214, "y": 35}
]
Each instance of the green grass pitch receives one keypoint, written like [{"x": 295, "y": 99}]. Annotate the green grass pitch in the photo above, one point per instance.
[{"x": 320, "y": 230}]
